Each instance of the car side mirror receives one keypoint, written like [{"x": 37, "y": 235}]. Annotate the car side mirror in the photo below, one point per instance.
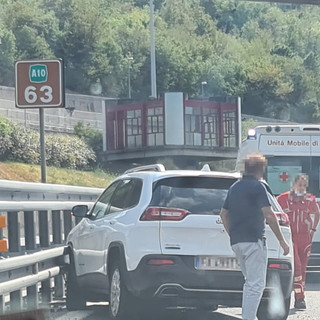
[{"x": 80, "y": 210}]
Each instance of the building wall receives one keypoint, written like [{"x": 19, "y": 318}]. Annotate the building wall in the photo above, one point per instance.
[
  {"x": 174, "y": 118},
  {"x": 79, "y": 108}
]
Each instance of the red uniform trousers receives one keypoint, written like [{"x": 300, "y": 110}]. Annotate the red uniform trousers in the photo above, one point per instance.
[{"x": 302, "y": 249}]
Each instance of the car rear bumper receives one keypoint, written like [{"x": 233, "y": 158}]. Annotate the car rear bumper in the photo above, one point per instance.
[{"x": 181, "y": 283}]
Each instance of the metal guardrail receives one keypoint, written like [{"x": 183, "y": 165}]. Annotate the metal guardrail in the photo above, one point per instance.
[
  {"x": 22, "y": 191},
  {"x": 38, "y": 219},
  {"x": 32, "y": 272}
]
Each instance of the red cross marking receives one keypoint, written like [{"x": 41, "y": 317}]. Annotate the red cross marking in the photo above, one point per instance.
[{"x": 284, "y": 177}]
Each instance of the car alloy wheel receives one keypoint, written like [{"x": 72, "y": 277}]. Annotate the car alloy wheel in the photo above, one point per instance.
[
  {"x": 122, "y": 305},
  {"x": 115, "y": 292}
]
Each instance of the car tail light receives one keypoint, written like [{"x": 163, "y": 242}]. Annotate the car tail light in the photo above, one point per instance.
[
  {"x": 160, "y": 213},
  {"x": 283, "y": 219},
  {"x": 279, "y": 266},
  {"x": 160, "y": 262}
]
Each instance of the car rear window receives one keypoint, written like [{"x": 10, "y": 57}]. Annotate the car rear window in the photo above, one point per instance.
[{"x": 198, "y": 195}]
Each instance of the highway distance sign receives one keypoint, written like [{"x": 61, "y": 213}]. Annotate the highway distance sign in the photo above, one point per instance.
[{"x": 39, "y": 84}]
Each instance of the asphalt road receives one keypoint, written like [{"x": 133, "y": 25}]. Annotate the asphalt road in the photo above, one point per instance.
[{"x": 99, "y": 311}]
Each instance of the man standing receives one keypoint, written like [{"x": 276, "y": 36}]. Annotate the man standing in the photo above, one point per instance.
[
  {"x": 303, "y": 212},
  {"x": 243, "y": 215}
]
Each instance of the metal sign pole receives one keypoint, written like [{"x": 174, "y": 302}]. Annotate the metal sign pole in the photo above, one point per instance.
[
  {"x": 42, "y": 147},
  {"x": 153, "y": 53}
]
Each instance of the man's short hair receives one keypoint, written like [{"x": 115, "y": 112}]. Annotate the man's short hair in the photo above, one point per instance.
[{"x": 255, "y": 163}]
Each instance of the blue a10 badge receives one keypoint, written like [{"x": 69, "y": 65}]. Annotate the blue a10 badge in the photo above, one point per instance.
[{"x": 38, "y": 73}]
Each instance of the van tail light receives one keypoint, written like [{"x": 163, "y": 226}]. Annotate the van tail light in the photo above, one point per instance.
[
  {"x": 283, "y": 219},
  {"x": 279, "y": 266},
  {"x": 161, "y": 213}
]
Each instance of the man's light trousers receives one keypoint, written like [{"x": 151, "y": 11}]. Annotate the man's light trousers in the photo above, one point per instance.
[{"x": 252, "y": 257}]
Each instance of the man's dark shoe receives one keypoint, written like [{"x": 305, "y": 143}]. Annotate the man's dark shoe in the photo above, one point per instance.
[{"x": 300, "y": 304}]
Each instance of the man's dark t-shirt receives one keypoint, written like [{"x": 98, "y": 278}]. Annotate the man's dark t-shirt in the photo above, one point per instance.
[{"x": 244, "y": 201}]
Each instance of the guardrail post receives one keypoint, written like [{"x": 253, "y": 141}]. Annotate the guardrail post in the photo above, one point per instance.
[
  {"x": 44, "y": 229},
  {"x": 2, "y": 305},
  {"x": 32, "y": 297},
  {"x": 13, "y": 232},
  {"x": 16, "y": 301},
  {"x": 58, "y": 287},
  {"x": 57, "y": 239},
  {"x": 29, "y": 230},
  {"x": 45, "y": 292},
  {"x": 56, "y": 227},
  {"x": 67, "y": 223}
]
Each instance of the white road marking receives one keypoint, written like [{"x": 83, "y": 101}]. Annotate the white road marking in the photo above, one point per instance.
[{"x": 76, "y": 315}]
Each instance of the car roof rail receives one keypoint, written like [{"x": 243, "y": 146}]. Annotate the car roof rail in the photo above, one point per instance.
[{"x": 151, "y": 167}]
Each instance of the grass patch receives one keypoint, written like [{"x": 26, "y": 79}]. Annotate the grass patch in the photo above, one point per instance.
[{"x": 32, "y": 173}]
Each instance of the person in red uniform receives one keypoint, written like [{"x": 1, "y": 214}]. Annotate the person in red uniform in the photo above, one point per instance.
[{"x": 303, "y": 212}]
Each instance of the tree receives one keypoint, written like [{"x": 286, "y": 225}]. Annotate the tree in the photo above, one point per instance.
[
  {"x": 34, "y": 29},
  {"x": 7, "y": 56}
]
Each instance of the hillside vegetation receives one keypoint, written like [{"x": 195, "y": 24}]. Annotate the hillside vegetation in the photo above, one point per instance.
[
  {"x": 77, "y": 151},
  {"x": 32, "y": 173},
  {"x": 269, "y": 54}
]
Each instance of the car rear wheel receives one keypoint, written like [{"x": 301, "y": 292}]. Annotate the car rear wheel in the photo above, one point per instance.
[
  {"x": 120, "y": 300},
  {"x": 264, "y": 312},
  {"x": 74, "y": 298}
]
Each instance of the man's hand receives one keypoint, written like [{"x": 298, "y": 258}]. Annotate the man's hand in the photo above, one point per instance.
[
  {"x": 224, "y": 214},
  {"x": 285, "y": 247}
]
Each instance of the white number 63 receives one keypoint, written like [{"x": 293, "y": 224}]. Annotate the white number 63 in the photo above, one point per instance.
[{"x": 31, "y": 96}]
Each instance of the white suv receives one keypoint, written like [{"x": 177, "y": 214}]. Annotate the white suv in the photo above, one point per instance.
[{"x": 155, "y": 235}]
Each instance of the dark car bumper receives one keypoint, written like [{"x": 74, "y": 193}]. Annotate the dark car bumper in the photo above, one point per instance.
[{"x": 182, "y": 284}]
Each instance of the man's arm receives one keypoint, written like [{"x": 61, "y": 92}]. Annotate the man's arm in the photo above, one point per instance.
[
  {"x": 274, "y": 225},
  {"x": 224, "y": 214}
]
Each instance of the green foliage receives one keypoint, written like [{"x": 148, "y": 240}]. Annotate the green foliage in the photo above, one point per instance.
[
  {"x": 23, "y": 145},
  {"x": 68, "y": 152},
  {"x": 6, "y": 129},
  {"x": 91, "y": 136},
  {"x": 32, "y": 173},
  {"x": 7, "y": 56},
  {"x": 269, "y": 54},
  {"x": 34, "y": 29}
]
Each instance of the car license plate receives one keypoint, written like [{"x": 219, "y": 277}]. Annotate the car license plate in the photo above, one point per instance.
[{"x": 216, "y": 263}]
